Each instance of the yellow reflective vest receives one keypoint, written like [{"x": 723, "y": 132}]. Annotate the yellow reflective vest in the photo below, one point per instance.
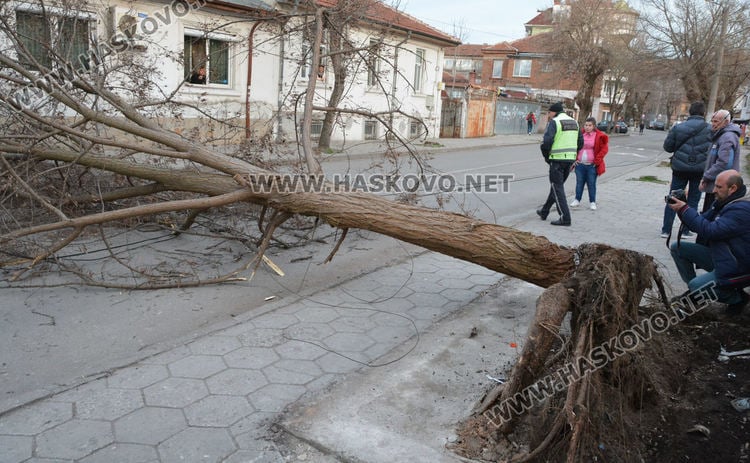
[{"x": 565, "y": 145}]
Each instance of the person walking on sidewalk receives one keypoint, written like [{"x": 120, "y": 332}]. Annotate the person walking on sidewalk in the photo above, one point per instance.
[
  {"x": 590, "y": 162},
  {"x": 722, "y": 246},
  {"x": 724, "y": 154},
  {"x": 560, "y": 145},
  {"x": 690, "y": 143},
  {"x": 530, "y": 121}
]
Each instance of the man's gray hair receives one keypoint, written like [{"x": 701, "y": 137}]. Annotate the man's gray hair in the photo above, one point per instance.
[{"x": 722, "y": 115}]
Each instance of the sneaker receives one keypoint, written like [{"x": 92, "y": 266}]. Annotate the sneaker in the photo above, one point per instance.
[
  {"x": 664, "y": 235},
  {"x": 575, "y": 203},
  {"x": 560, "y": 221},
  {"x": 542, "y": 215},
  {"x": 687, "y": 233},
  {"x": 592, "y": 206},
  {"x": 736, "y": 308}
]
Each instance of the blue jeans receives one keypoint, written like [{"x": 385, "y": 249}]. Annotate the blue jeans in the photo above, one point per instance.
[
  {"x": 690, "y": 256},
  {"x": 693, "y": 196},
  {"x": 586, "y": 175}
]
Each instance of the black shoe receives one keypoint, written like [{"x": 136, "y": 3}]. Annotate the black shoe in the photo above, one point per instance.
[
  {"x": 736, "y": 308},
  {"x": 560, "y": 222},
  {"x": 543, "y": 215}
]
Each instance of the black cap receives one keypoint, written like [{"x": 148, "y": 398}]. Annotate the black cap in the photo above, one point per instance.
[{"x": 557, "y": 107}]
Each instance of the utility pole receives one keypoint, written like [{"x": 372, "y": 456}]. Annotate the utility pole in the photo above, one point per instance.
[{"x": 719, "y": 61}]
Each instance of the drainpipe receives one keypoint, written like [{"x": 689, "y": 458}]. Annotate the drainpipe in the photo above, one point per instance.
[{"x": 249, "y": 77}]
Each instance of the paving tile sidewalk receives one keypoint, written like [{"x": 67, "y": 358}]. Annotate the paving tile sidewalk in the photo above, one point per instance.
[{"x": 213, "y": 399}]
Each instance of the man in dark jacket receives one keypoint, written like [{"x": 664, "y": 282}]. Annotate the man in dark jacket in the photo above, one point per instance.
[
  {"x": 722, "y": 247},
  {"x": 690, "y": 142},
  {"x": 724, "y": 154},
  {"x": 561, "y": 143}
]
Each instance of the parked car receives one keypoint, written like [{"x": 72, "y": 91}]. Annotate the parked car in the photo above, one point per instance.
[
  {"x": 657, "y": 125},
  {"x": 609, "y": 126}
]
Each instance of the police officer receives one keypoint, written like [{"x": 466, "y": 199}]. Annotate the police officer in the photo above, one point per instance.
[{"x": 562, "y": 140}]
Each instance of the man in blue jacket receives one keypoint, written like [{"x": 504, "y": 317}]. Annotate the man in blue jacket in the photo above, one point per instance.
[
  {"x": 690, "y": 142},
  {"x": 722, "y": 247}
]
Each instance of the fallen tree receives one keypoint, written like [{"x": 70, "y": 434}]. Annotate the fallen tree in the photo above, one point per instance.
[{"x": 86, "y": 156}]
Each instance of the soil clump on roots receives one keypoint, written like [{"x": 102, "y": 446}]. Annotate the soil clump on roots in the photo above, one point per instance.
[{"x": 601, "y": 390}]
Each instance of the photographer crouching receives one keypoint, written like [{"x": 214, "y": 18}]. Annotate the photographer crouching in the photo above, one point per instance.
[{"x": 722, "y": 246}]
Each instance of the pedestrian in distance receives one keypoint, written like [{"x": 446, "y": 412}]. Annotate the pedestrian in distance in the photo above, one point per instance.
[
  {"x": 590, "y": 162},
  {"x": 641, "y": 125},
  {"x": 724, "y": 154},
  {"x": 560, "y": 145},
  {"x": 689, "y": 143},
  {"x": 530, "y": 122},
  {"x": 722, "y": 246}
]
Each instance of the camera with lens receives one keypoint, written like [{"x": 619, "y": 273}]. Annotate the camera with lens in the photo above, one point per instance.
[{"x": 675, "y": 194}]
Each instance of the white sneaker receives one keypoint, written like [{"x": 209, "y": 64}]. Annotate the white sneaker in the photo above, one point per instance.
[
  {"x": 664, "y": 235},
  {"x": 593, "y": 206},
  {"x": 575, "y": 203}
]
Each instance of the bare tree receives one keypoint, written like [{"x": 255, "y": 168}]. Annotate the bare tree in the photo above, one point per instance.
[
  {"x": 688, "y": 36},
  {"x": 586, "y": 39}
]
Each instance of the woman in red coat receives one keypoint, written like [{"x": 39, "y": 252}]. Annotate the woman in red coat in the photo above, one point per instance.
[{"x": 590, "y": 161}]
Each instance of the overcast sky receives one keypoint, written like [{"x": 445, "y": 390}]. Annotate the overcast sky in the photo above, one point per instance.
[{"x": 483, "y": 21}]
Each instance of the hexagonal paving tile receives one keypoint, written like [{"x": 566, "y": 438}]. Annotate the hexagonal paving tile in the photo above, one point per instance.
[
  {"x": 458, "y": 283},
  {"x": 109, "y": 404},
  {"x": 459, "y": 295},
  {"x": 292, "y": 372},
  {"x": 428, "y": 300},
  {"x": 175, "y": 392},
  {"x": 130, "y": 453},
  {"x": 217, "y": 411},
  {"x": 307, "y": 331},
  {"x": 275, "y": 397},
  {"x": 36, "y": 418},
  {"x": 196, "y": 445},
  {"x": 262, "y": 337},
  {"x": 74, "y": 439},
  {"x": 137, "y": 377},
  {"x": 251, "y": 357},
  {"x": 348, "y": 342},
  {"x": 334, "y": 363},
  {"x": 299, "y": 350},
  {"x": 236, "y": 382},
  {"x": 197, "y": 366},
  {"x": 214, "y": 345},
  {"x": 316, "y": 314},
  {"x": 15, "y": 449},
  {"x": 149, "y": 425},
  {"x": 397, "y": 305},
  {"x": 352, "y": 324}
]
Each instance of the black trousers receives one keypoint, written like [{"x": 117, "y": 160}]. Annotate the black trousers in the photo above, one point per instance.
[{"x": 558, "y": 173}]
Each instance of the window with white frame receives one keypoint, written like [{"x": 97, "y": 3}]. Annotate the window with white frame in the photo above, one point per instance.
[
  {"x": 206, "y": 59},
  {"x": 522, "y": 68},
  {"x": 371, "y": 130},
  {"x": 42, "y": 36},
  {"x": 373, "y": 63},
  {"x": 419, "y": 67},
  {"x": 497, "y": 69},
  {"x": 306, "y": 64}
]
